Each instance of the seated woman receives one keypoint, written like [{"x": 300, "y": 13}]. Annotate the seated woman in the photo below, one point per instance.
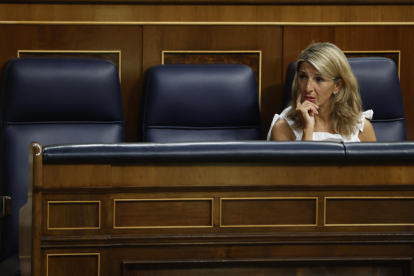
[{"x": 326, "y": 104}]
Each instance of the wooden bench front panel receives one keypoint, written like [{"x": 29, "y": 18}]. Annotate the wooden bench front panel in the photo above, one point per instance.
[{"x": 222, "y": 219}]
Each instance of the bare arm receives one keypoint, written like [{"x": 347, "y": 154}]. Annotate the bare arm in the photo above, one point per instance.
[
  {"x": 281, "y": 131},
  {"x": 368, "y": 134}
]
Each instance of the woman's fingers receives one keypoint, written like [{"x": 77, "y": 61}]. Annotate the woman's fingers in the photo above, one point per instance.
[
  {"x": 317, "y": 107},
  {"x": 306, "y": 112},
  {"x": 299, "y": 103},
  {"x": 314, "y": 110},
  {"x": 314, "y": 105},
  {"x": 306, "y": 107},
  {"x": 298, "y": 100}
]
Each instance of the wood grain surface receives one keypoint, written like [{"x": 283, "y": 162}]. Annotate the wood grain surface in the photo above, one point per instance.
[
  {"x": 225, "y": 2},
  {"x": 279, "y": 212},
  {"x": 206, "y": 13}
]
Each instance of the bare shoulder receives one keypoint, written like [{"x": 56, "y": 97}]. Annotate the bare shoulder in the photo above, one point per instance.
[
  {"x": 282, "y": 131},
  {"x": 368, "y": 134}
]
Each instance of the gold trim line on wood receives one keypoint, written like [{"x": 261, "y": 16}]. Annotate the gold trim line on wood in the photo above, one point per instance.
[
  {"x": 165, "y": 199},
  {"x": 225, "y": 52},
  {"x": 74, "y": 202},
  {"x": 378, "y": 52},
  {"x": 79, "y": 52},
  {"x": 204, "y": 23},
  {"x": 365, "y": 224},
  {"x": 267, "y": 225},
  {"x": 74, "y": 254}
]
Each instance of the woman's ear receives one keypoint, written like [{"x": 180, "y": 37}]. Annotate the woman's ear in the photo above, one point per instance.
[{"x": 338, "y": 86}]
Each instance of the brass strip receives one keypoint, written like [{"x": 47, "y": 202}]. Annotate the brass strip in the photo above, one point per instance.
[
  {"x": 74, "y": 228},
  {"x": 79, "y": 52},
  {"x": 225, "y": 52},
  {"x": 165, "y": 227},
  {"x": 365, "y": 224},
  {"x": 74, "y": 254},
  {"x": 267, "y": 225},
  {"x": 379, "y": 52},
  {"x": 215, "y": 23}
]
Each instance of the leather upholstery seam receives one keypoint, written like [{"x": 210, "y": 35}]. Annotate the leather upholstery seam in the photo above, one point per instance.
[
  {"x": 63, "y": 122},
  {"x": 202, "y": 128},
  {"x": 387, "y": 120},
  {"x": 346, "y": 153}
]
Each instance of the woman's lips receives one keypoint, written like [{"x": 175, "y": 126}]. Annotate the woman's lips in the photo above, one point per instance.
[{"x": 311, "y": 99}]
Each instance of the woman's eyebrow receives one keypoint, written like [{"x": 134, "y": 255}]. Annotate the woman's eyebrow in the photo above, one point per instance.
[{"x": 316, "y": 74}]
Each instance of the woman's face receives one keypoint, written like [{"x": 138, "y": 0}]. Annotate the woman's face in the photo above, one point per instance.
[{"x": 316, "y": 88}]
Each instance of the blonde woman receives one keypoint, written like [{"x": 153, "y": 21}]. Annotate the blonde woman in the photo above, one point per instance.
[{"x": 326, "y": 105}]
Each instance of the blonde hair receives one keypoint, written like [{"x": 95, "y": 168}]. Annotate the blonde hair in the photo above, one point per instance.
[{"x": 346, "y": 105}]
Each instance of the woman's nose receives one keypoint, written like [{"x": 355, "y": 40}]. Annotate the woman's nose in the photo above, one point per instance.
[{"x": 309, "y": 86}]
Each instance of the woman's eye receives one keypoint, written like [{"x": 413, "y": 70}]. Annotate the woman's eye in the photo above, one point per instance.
[
  {"x": 302, "y": 77},
  {"x": 319, "y": 79}
]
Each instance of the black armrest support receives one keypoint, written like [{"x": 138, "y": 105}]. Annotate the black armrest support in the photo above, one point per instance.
[{"x": 5, "y": 206}]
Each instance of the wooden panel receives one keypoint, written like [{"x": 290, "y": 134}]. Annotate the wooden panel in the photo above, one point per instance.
[
  {"x": 114, "y": 56},
  {"x": 73, "y": 213},
  {"x": 163, "y": 213},
  {"x": 266, "y": 175},
  {"x": 369, "y": 211},
  {"x": 267, "y": 212},
  {"x": 357, "y": 250},
  {"x": 77, "y": 176},
  {"x": 266, "y": 267},
  {"x": 206, "y": 13},
  {"x": 267, "y": 39},
  {"x": 81, "y": 264},
  {"x": 383, "y": 254},
  {"x": 125, "y": 39},
  {"x": 360, "y": 38},
  {"x": 66, "y": 215},
  {"x": 226, "y": 2}
]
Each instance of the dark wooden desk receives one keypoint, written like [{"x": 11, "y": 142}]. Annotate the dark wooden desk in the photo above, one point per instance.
[{"x": 218, "y": 219}]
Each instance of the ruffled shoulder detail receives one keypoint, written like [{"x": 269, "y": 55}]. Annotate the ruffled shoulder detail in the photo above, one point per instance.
[
  {"x": 277, "y": 117},
  {"x": 366, "y": 114}
]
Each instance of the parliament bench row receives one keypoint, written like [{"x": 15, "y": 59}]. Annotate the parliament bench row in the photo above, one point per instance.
[
  {"x": 220, "y": 208},
  {"x": 66, "y": 101}
]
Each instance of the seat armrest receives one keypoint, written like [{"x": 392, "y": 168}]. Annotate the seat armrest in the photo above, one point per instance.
[{"x": 5, "y": 206}]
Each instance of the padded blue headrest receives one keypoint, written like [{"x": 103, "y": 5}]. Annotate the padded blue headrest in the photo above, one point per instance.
[
  {"x": 33, "y": 85},
  {"x": 380, "y": 91},
  {"x": 186, "y": 100}
]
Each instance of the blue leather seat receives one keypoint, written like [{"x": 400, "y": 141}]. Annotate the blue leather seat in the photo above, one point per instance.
[
  {"x": 380, "y": 91},
  {"x": 50, "y": 101},
  {"x": 200, "y": 103}
]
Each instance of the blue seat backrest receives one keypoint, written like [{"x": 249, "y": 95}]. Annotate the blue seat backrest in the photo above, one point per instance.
[
  {"x": 200, "y": 103},
  {"x": 380, "y": 91},
  {"x": 52, "y": 101}
]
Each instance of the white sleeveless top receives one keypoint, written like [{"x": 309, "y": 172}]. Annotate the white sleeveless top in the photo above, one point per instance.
[{"x": 323, "y": 136}]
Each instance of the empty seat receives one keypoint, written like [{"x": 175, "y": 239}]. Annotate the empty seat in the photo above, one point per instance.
[
  {"x": 50, "y": 101},
  {"x": 200, "y": 103}
]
